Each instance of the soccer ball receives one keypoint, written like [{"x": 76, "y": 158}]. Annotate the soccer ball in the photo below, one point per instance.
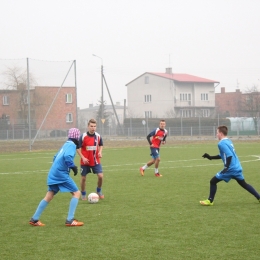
[{"x": 93, "y": 198}]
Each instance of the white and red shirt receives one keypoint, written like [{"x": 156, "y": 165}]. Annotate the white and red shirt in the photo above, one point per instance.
[
  {"x": 158, "y": 135},
  {"x": 89, "y": 144}
]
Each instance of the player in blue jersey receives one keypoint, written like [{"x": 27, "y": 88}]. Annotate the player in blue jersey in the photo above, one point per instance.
[
  {"x": 59, "y": 180},
  {"x": 158, "y": 135},
  {"x": 232, "y": 167}
]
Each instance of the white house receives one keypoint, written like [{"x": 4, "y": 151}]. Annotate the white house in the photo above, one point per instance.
[{"x": 165, "y": 95}]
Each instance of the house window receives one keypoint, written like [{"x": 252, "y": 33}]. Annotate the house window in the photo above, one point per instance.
[
  {"x": 68, "y": 98},
  {"x": 146, "y": 80},
  {"x": 5, "y": 100},
  {"x": 186, "y": 113},
  {"x": 147, "y": 98},
  {"x": 148, "y": 114},
  {"x": 69, "y": 118},
  {"x": 205, "y": 112},
  {"x": 7, "y": 117},
  {"x": 185, "y": 96},
  {"x": 204, "y": 96},
  {"x": 25, "y": 99},
  {"x": 249, "y": 99}
]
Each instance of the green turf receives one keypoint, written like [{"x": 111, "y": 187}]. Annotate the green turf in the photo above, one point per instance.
[{"x": 141, "y": 217}]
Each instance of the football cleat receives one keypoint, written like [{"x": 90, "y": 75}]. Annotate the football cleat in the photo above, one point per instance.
[
  {"x": 101, "y": 196},
  {"x": 206, "y": 203},
  {"x": 158, "y": 175},
  {"x": 73, "y": 223},
  {"x": 83, "y": 197},
  {"x": 36, "y": 223},
  {"x": 141, "y": 171}
]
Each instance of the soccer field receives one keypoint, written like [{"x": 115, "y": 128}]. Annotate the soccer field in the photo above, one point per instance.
[{"x": 140, "y": 217}]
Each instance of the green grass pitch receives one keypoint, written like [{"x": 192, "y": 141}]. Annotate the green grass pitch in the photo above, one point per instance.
[{"x": 141, "y": 217}]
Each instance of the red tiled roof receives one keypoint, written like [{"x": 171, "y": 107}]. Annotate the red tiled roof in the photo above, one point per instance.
[{"x": 183, "y": 77}]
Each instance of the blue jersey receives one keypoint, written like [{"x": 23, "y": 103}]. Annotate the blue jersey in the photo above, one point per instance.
[
  {"x": 59, "y": 171},
  {"x": 226, "y": 149}
]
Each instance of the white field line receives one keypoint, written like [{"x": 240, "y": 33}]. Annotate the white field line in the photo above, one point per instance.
[
  {"x": 111, "y": 168},
  {"x": 21, "y": 158}
]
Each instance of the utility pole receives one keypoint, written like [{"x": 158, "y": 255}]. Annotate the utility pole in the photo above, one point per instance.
[{"x": 102, "y": 95}]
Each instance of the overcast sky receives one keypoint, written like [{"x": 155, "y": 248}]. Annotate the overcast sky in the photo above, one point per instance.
[{"x": 217, "y": 40}]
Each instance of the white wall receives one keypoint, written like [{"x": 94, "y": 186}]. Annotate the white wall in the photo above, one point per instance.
[
  {"x": 161, "y": 90},
  {"x": 166, "y": 96}
]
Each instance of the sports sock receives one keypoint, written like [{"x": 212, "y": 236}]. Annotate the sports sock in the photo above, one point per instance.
[
  {"x": 83, "y": 193},
  {"x": 72, "y": 208},
  {"x": 145, "y": 167},
  {"x": 98, "y": 190},
  {"x": 156, "y": 170},
  {"x": 250, "y": 189},
  {"x": 212, "y": 192},
  {"x": 42, "y": 205}
]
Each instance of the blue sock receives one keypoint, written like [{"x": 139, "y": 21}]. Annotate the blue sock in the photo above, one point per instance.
[
  {"x": 98, "y": 190},
  {"x": 83, "y": 193},
  {"x": 42, "y": 205},
  {"x": 72, "y": 208}
]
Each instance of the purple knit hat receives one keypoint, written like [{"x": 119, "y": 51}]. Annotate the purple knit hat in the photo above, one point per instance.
[{"x": 74, "y": 133}]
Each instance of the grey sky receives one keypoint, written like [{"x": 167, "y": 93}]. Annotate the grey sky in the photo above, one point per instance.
[{"x": 217, "y": 40}]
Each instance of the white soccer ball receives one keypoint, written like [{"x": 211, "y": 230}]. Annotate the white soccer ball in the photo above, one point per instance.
[{"x": 93, "y": 198}]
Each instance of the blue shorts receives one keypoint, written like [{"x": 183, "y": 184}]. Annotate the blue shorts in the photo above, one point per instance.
[
  {"x": 227, "y": 176},
  {"x": 68, "y": 186},
  {"x": 155, "y": 152},
  {"x": 85, "y": 169}
]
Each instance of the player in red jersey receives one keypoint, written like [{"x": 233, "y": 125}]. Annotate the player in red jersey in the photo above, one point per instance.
[
  {"x": 90, "y": 152},
  {"x": 158, "y": 137}
]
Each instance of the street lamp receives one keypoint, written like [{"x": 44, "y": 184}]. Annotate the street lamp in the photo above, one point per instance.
[{"x": 102, "y": 96}]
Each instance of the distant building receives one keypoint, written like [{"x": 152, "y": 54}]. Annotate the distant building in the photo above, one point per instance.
[
  {"x": 86, "y": 114},
  {"x": 228, "y": 104},
  {"x": 168, "y": 94},
  {"x": 62, "y": 113},
  {"x": 238, "y": 104}
]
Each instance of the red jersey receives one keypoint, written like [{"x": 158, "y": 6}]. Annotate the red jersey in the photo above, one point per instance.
[
  {"x": 158, "y": 135},
  {"x": 89, "y": 144}
]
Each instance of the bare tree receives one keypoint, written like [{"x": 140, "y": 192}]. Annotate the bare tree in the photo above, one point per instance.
[
  {"x": 170, "y": 113},
  {"x": 14, "y": 76},
  {"x": 251, "y": 104},
  {"x": 132, "y": 114},
  {"x": 16, "y": 80}
]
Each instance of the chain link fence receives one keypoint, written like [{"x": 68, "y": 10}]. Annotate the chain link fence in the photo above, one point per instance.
[{"x": 237, "y": 128}]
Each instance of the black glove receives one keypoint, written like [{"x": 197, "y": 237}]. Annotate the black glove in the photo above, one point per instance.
[
  {"x": 206, "y": 155},
  {"x": 224, "y": 170},
  {"x": 75, "y": 170}
]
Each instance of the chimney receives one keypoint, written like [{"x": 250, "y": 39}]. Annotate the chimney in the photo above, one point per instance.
[
  {"x": 222, "y": 90},
  {"x": 168, "y": 70}
]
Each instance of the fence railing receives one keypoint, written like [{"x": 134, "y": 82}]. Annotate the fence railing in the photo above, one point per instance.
[{"x": 124, "y": 132}]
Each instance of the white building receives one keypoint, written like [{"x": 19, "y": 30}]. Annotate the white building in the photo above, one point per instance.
[
  {"x": 86, "y": 114},
  {"x": 165, "y": 95}
]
